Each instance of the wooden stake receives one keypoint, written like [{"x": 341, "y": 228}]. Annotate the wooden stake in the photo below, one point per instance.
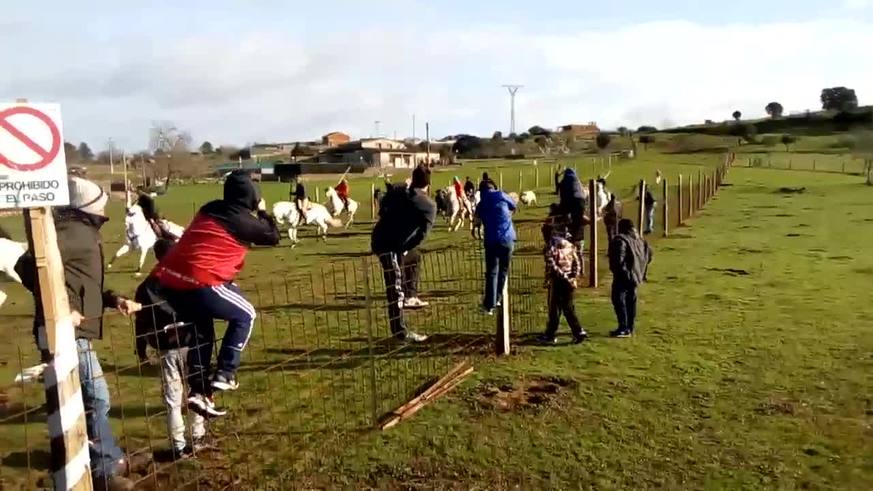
[
  {"x": 592, "y": 227},
  {"x": 520, "y": 182}
]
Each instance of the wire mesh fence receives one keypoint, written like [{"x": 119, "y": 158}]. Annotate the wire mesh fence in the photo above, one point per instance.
[{"x": 322, "y": 364}]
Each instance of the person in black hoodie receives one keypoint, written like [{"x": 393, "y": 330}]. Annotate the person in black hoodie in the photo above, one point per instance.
[
  {"x": 197, "y": 276},
  {"x": 405, "y": 219},
  {"x": 159, "y": 326},
  {"x": 572, "y": 204},
  {"x": 80, "y": 244},
  {"x": 629, "y": 258}
]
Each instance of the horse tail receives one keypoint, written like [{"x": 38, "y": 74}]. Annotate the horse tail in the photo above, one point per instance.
[{"x": 334, "y": 222}]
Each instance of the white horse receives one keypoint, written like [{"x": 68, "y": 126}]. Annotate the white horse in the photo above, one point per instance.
[
  {"x": 528, "y": 198},
  {"x": 335, "y": 205},
  {"x": 457, "y": 210},
  {"x": 10, "y": 252},
  {"x": 315, "y": 214},
  {"x": 138, "y": 235}
]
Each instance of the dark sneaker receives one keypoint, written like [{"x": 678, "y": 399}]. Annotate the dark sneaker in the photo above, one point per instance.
[
  {"x": 486, "y": 311},
  {"x": 621, "y": 333},
  {"x": 222, "y": 382},
  {"x": 204, "y": 406},
  {"x": 547, "y": 339},
  {"x": 580, "y": 338}
]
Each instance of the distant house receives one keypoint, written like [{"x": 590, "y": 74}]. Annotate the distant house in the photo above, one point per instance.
[
  {"x": 335, "y": 139},
  {"x": 377, "y": 152},
  {"x": 580, "y": 131}
]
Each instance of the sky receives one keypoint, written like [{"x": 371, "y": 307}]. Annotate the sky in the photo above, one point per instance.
[{"x": 239, "y": 72}]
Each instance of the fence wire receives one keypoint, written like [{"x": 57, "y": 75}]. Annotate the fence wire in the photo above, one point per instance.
[{"x": 322, "y": 364}]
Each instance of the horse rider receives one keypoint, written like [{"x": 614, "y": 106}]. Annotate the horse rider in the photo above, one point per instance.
[
  {"x": 300, "y": 197},
  {"x": 342, "y": 190},
  {"x": 469, "y": 189},
  {"x": 153, "y": 217},
  {"x": 459, "y": 193}
]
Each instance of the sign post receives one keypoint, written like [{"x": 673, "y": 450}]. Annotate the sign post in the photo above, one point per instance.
[{"x": 33, "y": 176}]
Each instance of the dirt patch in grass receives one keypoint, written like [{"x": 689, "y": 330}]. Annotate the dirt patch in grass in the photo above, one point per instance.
[
  {"x": 730, "y": 271},
  {"x": 791, "y": 190},
  {"x": 529, "y": 394}
]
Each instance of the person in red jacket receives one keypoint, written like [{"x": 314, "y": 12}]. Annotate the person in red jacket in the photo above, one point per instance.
[
  {"x": 197, "y": 278},
  {"x": 342, "y": 190}
]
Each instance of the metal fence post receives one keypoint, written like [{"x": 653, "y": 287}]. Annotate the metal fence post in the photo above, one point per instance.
[
  {"x": 642, "y": 213},
  {"x": 592, "y": 246},
  {"x": 501, "y": 339},
  {"x": 368, "y": 300}
]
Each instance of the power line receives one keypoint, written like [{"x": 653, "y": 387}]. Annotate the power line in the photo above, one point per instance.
[{"x": 512, "y": 88}]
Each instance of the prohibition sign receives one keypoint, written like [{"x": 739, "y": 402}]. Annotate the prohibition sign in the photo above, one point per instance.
[{"x": 46, "y": 156}]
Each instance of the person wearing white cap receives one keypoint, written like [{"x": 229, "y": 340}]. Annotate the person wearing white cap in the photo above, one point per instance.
[{"x": 78, "y": 233}]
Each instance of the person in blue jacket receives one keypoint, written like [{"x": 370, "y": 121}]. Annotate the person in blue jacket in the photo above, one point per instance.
[{"x": 495, "y": 211}]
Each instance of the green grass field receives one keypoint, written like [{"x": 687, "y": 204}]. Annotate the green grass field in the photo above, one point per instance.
[{"x": 751, "y": 367}]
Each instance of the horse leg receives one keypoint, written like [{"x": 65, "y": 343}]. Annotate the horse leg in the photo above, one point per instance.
[
  {"x": 142, "y": 257},
  {"x": 124, "y": 249}
]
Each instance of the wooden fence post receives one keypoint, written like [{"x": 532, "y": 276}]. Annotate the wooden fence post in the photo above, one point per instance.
[
  {"x": 70, "y": 462},
  {"x": 501, "y": 339},
  {"x": 500, "y": 178},
  {"x": 537, "y": 177},
  {"x": 700, "y": 197},
  {"x": 520, "y": 182},
  {"x": 691, "y": 196},
  {"x": 317, "y": 194},
  {"x": 844, "y": 167},
  {"x": 593, "y": 278},
  {"x": 666, "y": 208},
  {"x": 372, "y": 201},
  {"x": 642, "y": 214},
  {"x": 679, "y": 201}
]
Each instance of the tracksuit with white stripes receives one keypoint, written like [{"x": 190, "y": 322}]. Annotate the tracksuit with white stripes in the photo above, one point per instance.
[{"x": 197, "y": 276}]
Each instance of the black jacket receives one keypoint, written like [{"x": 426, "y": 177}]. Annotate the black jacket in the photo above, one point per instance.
[
  {"x": 629, "y": 258},
  {"x": 82, "y": 254},
  {"x": 156, "y": 323},
  {"x": 234, "y": 212},
  {"x": 405, "y": 218}
]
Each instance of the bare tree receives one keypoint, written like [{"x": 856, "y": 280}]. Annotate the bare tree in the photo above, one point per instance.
[{"x": 165, "y": 138}]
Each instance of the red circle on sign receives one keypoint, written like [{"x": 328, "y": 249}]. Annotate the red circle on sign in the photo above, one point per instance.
[{"x": 46, "y": 156}]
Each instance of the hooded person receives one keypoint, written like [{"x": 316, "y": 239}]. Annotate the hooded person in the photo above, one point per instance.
[
  {"x": 629, "y": 259},
  {"x": 406, "y": 217},
  {"x": 80, "y": 244},
  {"x": 197, "y": 276},
  {"x": 495, "y": 211},
  {"x": 572, "y": 203}
]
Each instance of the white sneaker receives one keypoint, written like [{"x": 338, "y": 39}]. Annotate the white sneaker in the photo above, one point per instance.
[
  {"x": 414, "y": 303},
  {"x": 486, "y": 311},
  {"x": 415, "y": 337},
  {"x": 204, "y": 406}
]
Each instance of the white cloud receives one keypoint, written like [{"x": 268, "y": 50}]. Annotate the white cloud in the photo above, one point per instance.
[
  {"x": 857, "y": 4},
  {"x": 271, "y": 85}
]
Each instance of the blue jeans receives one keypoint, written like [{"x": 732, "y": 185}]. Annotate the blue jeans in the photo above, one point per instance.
[
  {"x": 105, "y": 454},
  {"x": 497, "y": 257},
  {"x": 650, "y": 219},
  {"x": 203, "y": 306}
]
